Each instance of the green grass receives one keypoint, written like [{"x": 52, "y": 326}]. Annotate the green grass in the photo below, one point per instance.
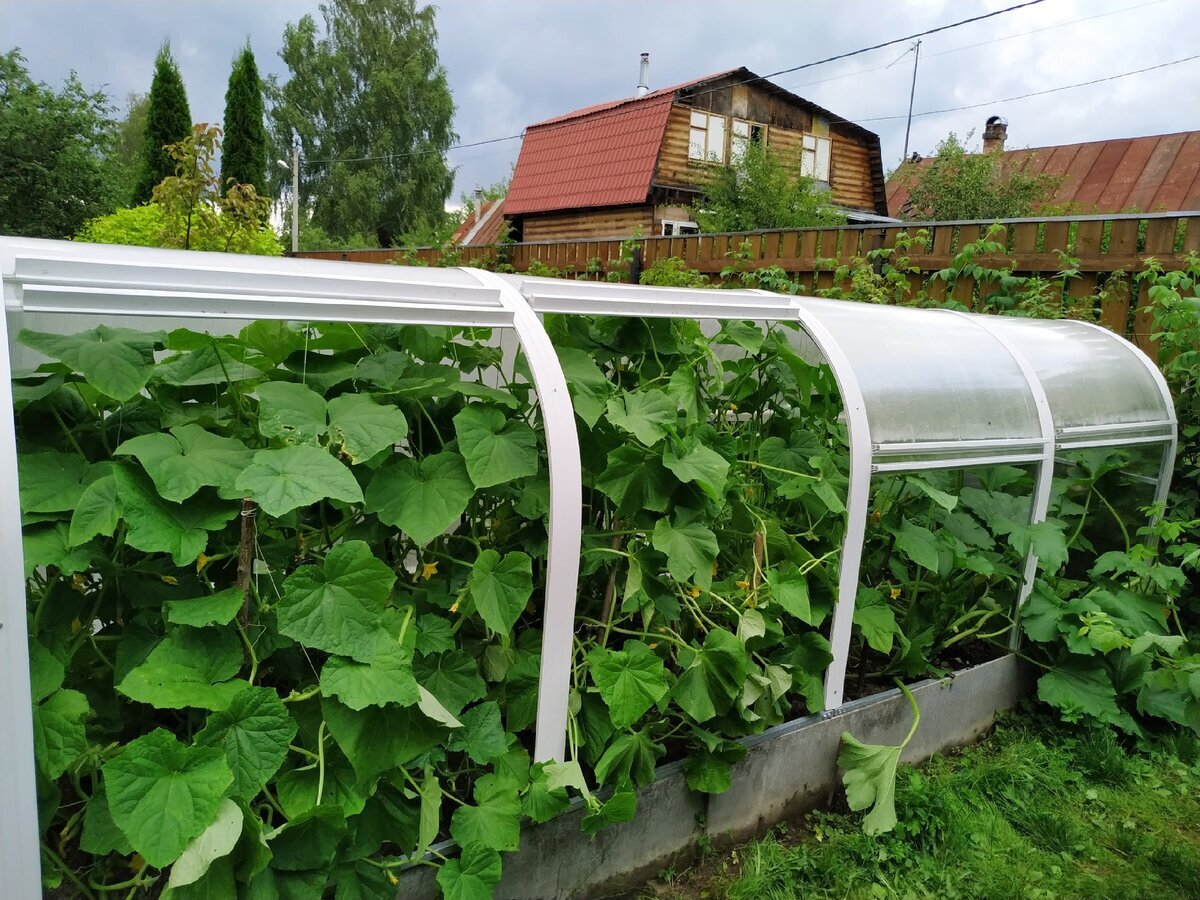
[{"x": 1037, "y": 810}]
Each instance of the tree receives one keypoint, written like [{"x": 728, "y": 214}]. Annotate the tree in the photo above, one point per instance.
[
  {"x": 762, "y": 190},
  {"x": 192, "y": 209},
  {"x": 52, "y": 147},
  {"x": 244, "y": 157},
  {"x": 127, "y": 148},
  {"x": 168, "y": 121},
  {"x": 369, "y": 102},
  {"x": 957, "y": 185}
]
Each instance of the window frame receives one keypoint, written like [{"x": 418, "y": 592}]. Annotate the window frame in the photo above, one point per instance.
[
  {"x": 676, "y": 224},
  {"x": 816, "y": 154},
  {"x": 709, "y": 153},
  {"x": 738, "y": 142}
]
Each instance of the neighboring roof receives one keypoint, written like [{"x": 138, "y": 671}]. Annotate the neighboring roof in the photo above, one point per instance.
[
  {"x": 480, "y": 230},
  {"x": 605, "y": 154},
  {"x": 1159, "y": 172}
]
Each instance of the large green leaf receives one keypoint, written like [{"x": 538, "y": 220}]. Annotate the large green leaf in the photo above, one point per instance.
[
  {"x": 473, "y": 876},
  {"x": 452, "y": 677},
  {"x": 216, "y": 841},
  {"x": 713, "y": 678},
  {"x": 869, "y": 773},
  {"x": 187, "y": 459},
  {"x": 98, "y": 511},
  {"x": 494, "y": 820},
  {"x": 215, "y": 609},
  {"x": 308, "y": 841},
  {"x": 291, "y": 412},
  {"x": 633, "y": 755},
  {"x": 1081, "y": 689},
  {"x": 361, "y": 428},
  {"x": 50, "y": 482},
  {"x": 497, "y": 448},
  {"x": 918, "y": 544},
  {"x": 630, "y": 680},
  {"x": 423, "y": 498},
  {"x": 115, "y": 361},
  {"x": 46, "y": 673},
  {"x": 589, "y": 387},
  {"x": 691, "y": 549},
  {"x": 336, "y": 607},
  {"x": 482, "y": 735},
  {"x": 158, "y": 526},
  {"x": 282, "y": 480},
  {"x": 190, "y": 667},
  {"x": 696, "y": 462},
  {"x": 644, "y": 414},
  {"x": 633, "y": 481},
  {"x": 101, "y": 836},
  {"x": 50, "y": 545},
  {"x": 789, "y": 588},
  {"x": 213, "y": 364},
  {"x": 501, "y": 587},
  {"x": 387, "y": 678},
  {"x": 162, "y": 793},
  {"x": 377, "y": 739},
  {"x": 59, "y": 736},
  {"x": 875, "y": 618},
  {"x": 253, "y": 732}
]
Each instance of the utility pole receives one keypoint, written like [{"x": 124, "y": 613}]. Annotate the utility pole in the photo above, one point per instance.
[
  {"x": 296, "y": 190},
  {"x": 911, "y": 93}
]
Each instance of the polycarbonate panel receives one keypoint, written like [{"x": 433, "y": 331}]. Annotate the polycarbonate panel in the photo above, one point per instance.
[
  {"x": 927, "y": 376},
  {"x": 1091, "y": 376}
]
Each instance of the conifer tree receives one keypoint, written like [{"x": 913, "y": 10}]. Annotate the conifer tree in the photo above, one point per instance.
[
  {"x": 244, "y": 157},
  {"x": 168, "y": 121}
]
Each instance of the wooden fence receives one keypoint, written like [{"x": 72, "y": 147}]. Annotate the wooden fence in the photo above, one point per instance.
[{"x": 1105, "y": 246}]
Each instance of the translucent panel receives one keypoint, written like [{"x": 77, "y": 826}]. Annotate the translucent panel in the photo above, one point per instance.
[
  {"x": 928, "y": 376},
  {"x": 1091, "y": 376}
]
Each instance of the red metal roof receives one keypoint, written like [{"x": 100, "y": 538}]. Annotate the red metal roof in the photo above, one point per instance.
[
  {"x": 473, "y": 233},
  {"x": 1156, "y": 173}
]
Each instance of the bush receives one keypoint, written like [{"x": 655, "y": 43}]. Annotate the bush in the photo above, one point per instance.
[{"x": 144, "y": 226}]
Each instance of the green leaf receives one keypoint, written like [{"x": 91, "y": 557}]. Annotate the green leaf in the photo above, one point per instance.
[
  {"x": 501, "y": 587},
  {"x": 941, "y": 498},
  {"x": 918, "y": 544},
  {"x": 497, "y": 448},
  {"x": 494, "y": 820},
  {"x": 713, "y": 679},
  {"x": 59, "y": 736},
  {"x": 291, "y": 412},
  {"x": 97, "y": 511},
  {"x": 745, "y": 334},
  {"x": 696, "y": 462},
  {"x": 216, "y": 841},
  {"x": 423, "y": 498},
  {"x": 789, "y": 588},
  {"x": 282, "y": 480},
  {"x": 589, "y": 387},
  {"x": 711, "y": 770},
  {"x": 429, "y": 823},
  {"x": 434, "y": 634},
  {"x": 633, "y": 481},
  {"x": 869, "y": 773},
  {"x": 632, "y": 755},
  {"x": 50, "y": 482},
  {"x": 115, "y": 361},
  {"x": 690, "y": 547},
  {"x": 644, "y": 414},
  {"x": 208, "y": 365},
  {"x": 162, "y": 793},
  {"x": 253, "y": 732},
  {"x": 336, "y": 607},
  {"x": 473, "y": 876},
  {"x": 190, "y": 667},
  {"x": 215, "y": 609},
  {"x": 387, "y": 678},
  {"x": 309, "y": 841},
  {"x": 100, "y": 835},
  {"x": 451, "y": 677},
  {"x": 377, "y": 739},
  {"x": 1081, "y": 688},
  {"x": 188, "y": 459},
  {"x": 362, "y": 428},
  {"x": 481, "y": 736},
  {"x": 620, "y": 807},
  {"x": 46, "y": 673},
  {"x": 630, "y": 680},
  {"x": 1047, "y": 539},
  {"x": 48, "y": 545},
  {"x": 543, "y": 801},
  {"x": 485, "y": 392},
  {"x": 157, "y": 526},
  {"x": 875, "y": 618}
]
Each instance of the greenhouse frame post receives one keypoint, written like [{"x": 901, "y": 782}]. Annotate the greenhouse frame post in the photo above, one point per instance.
[
  {"x": 20, "y": 858},
  {"x": 565, "y": 519}
]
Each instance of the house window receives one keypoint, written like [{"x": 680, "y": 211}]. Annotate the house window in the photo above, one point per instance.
[
  {"x": 706, "y": 141},
  {"x": 814, "y": 158},
  {"x": 744, "y": 133},
  {"x": 679, "y": 229}
]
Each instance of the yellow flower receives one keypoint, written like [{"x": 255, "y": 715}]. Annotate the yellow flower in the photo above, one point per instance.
[
  {"x": 693, "y": 592},
  {"x": 428, "y": 570},
  {"x": 78, "y": 582},
  {"x": 392, "y": 878},
  {"x": 743, "y": 584},
  {"x": 652, "y": 644},
  {"x": 201, "y": 562},
  {"x": 454, "y": 607},
  {"x": 895, "y": 593},
  {"x": 170, "y": 579}
]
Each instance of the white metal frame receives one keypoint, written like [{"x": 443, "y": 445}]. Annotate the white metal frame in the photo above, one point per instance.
[{"x": 58, "y": 277}]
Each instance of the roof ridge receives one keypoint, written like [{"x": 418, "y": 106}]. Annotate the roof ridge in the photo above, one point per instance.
[{"x": 605, "y": 105}]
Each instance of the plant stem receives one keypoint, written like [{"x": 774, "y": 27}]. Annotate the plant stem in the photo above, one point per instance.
[
  {"x": 320, "y": 761},
  {"x": 66, "y": 870}
]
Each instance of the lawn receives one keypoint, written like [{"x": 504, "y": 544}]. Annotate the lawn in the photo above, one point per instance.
[{"x": 1037, "y": 810}]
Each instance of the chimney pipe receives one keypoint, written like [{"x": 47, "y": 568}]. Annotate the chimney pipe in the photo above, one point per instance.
[
  {"x": 478, "y": 205},
  {"x": 995, "y": 132},
  {"x": 643, "y": 87}
]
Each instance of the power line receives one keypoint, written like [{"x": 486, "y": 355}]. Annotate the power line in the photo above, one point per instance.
[
  {"x": 1065, "y": 87},
  {"x": 757, "y": 78}
]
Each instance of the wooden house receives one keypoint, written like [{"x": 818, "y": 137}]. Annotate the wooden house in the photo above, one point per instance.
[{"x": 641, "y": 162}]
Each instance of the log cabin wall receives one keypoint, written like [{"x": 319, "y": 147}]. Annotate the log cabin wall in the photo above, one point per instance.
[{"x": 618, "y": 221}]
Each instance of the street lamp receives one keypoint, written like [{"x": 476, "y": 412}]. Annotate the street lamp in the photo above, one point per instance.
[{"x": 295, "y": 167}]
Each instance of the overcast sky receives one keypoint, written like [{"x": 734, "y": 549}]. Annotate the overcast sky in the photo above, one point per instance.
[{"x": 516, "y": 62}]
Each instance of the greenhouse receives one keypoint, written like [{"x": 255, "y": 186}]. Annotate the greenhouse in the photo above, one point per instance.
[{"x": 920, "y": 390}]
